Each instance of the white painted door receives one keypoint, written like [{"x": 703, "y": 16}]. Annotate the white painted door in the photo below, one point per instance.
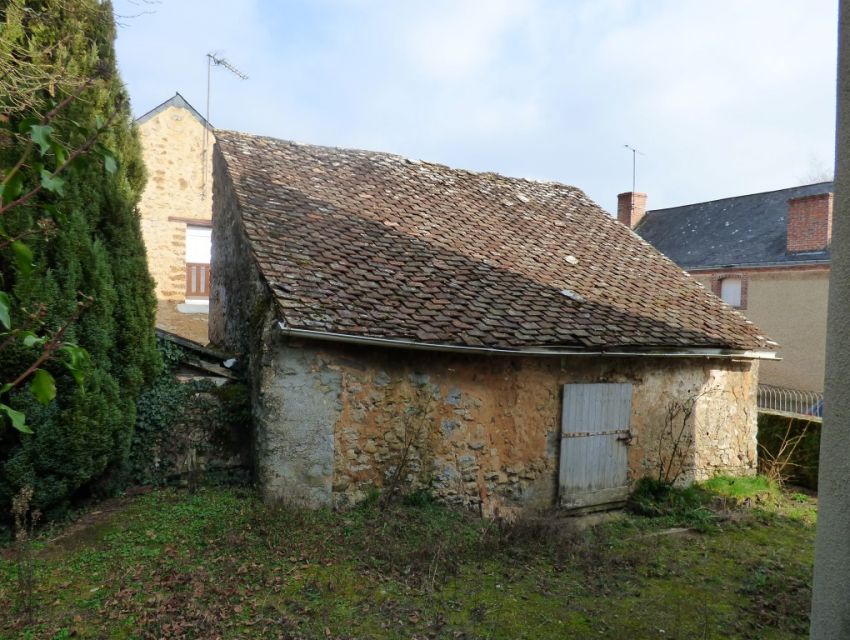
[{"x": 594, "y": 444}]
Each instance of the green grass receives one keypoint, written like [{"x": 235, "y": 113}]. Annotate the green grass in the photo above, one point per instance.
[
  {"x": 220, "y": 563},
  {"x": 754, "y": 487}
]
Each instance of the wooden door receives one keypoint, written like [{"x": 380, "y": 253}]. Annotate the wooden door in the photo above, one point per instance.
[{"x": 594, "y": 444}]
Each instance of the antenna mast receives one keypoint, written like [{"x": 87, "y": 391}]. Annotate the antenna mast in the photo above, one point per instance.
[
  {"x": 634, "y": 164},
  {"x": 213, "y": 59}
]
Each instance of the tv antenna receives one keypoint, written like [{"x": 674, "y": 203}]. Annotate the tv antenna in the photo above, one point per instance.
[
  {"x": 213, "y": 59},
  {"x": 635, "y": 153}
]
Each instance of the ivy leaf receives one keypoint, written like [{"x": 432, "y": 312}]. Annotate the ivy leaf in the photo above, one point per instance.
[
  {"x": 41, "y": 134},
  {"x": 12, "y": 187},
  {"x": 60, "y": 153},
  {"x": 26, "y": 124},
  {"x": 43, "y": 386},
  {"x": 52, "y": 183},
  {"x": 23, "y": 257},
  {"x": 17, "y": 418},
  {"x": 5, "y": 309},
  {"x": 76, "y": 359},
  {"x": 30, "y": 339},
  {"x": 109, "y": 162}
]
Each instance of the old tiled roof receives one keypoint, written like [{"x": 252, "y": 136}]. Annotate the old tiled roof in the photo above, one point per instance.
[
  {"x": 371, "y": 244},
  {"x": 747, "y": 230}
]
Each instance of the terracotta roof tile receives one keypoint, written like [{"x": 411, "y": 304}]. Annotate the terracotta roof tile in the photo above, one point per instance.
[{"x": 372, "y": 244}]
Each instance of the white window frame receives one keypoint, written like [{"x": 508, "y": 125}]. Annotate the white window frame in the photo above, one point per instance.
[{"x": 729, "y": 294}]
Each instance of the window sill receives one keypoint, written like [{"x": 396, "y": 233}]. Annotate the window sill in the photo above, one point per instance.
[{"x": 194, "y": 306}]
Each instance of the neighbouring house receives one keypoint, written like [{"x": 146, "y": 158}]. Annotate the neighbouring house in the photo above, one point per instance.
[
  {"x": 176, "y": 214},
  {"x": 765, "y": 254},
  {"x": 501, "y": 343}
]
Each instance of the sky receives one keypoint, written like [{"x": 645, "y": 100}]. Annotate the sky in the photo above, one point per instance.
[{"x": 721, "y": 98}]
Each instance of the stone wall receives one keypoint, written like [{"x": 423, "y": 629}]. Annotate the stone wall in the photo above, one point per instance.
[
  {"x": 483, "y": 432},
  {"x": 177, "y": 187},
  {"x": 242, "y": 322},
  {"x": 240, "y": 303}
]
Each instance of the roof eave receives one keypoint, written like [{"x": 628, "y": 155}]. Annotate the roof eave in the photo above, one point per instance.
[
  {"x": 402, "y": 343},
  {"x": 789, "y": 264}
]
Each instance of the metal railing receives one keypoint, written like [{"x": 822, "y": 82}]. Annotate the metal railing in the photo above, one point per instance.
[{"x": 807, "y": 405}]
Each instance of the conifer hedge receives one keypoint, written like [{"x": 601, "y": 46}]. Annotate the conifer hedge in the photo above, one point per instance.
[{"x": 88, "y": 248}]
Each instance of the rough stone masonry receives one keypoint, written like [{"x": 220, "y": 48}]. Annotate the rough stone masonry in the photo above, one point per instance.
[{"x": 480, "y": 432}]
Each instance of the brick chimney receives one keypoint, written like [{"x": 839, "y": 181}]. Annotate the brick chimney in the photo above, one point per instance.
[
  {"x": 631, "y": 207},
  {"x": 809, "y": 223}
]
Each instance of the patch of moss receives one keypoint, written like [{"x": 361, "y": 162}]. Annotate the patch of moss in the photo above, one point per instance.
[{"x": 742, "y": 488}]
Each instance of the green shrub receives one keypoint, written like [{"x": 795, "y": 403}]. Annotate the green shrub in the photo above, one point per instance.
[
  {"x": 177, "y": 418},
  {"x": 419, "y": 498},
  {"x": 83, "y": 436},
  {"x": 684, "y": 506}
]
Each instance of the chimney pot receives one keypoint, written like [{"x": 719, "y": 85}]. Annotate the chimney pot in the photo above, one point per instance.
[{"x": 631, "y": 208}]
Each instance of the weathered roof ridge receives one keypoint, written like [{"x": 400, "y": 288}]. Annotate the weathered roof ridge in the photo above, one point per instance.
[
  {"x": 744, "y": 195},
  {"x": 366, "y": 243},
  {"x": 402, "y": 158}
]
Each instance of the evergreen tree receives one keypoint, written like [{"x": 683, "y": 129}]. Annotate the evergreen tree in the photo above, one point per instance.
[{"x": 88, "y": 248}]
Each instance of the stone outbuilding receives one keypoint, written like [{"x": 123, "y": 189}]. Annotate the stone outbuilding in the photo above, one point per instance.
[{"x": 500, "y": 343}]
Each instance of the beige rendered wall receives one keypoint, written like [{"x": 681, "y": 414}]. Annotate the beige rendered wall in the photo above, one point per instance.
[
  {"x": 172, "y": 143},
  {"x": 790, "y": 307}
]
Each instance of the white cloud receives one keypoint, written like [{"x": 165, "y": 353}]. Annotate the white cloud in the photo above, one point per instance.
[
  {"x": 724, "y": 98},
  {"x": 451, "y": 40}
]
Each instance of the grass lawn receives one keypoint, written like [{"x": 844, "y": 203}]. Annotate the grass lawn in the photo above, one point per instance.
[{"x": 219, "y": 563}]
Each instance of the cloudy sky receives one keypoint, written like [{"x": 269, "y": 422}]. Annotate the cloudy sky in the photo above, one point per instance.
[{"x": 723, "y": 98}]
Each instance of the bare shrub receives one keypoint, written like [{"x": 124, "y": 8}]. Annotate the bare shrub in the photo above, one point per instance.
[
  {"x": 676, "y": 440},
  {"x": 778, "y": 466},
  {"x": 416, "y": 421}
]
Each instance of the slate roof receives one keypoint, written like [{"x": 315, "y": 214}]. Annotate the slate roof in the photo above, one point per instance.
[
  {"x": 372, "y": 244},
  {"x": 743, "y": 231}
]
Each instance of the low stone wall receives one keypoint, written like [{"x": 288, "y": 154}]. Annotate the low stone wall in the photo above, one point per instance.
[{"x": 336, "y": 422}]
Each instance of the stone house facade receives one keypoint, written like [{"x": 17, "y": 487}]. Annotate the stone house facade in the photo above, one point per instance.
[
  {"x": 176, "y": 213},
  {"x": 767, "y": 255},
  {"x": 408, "y": 326}
]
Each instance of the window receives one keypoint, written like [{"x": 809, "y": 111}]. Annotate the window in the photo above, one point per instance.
[
  {"x": 730, "y": 291},
  {"x": 198, "y": 244},
  {"x": 198, "y": 249}
]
